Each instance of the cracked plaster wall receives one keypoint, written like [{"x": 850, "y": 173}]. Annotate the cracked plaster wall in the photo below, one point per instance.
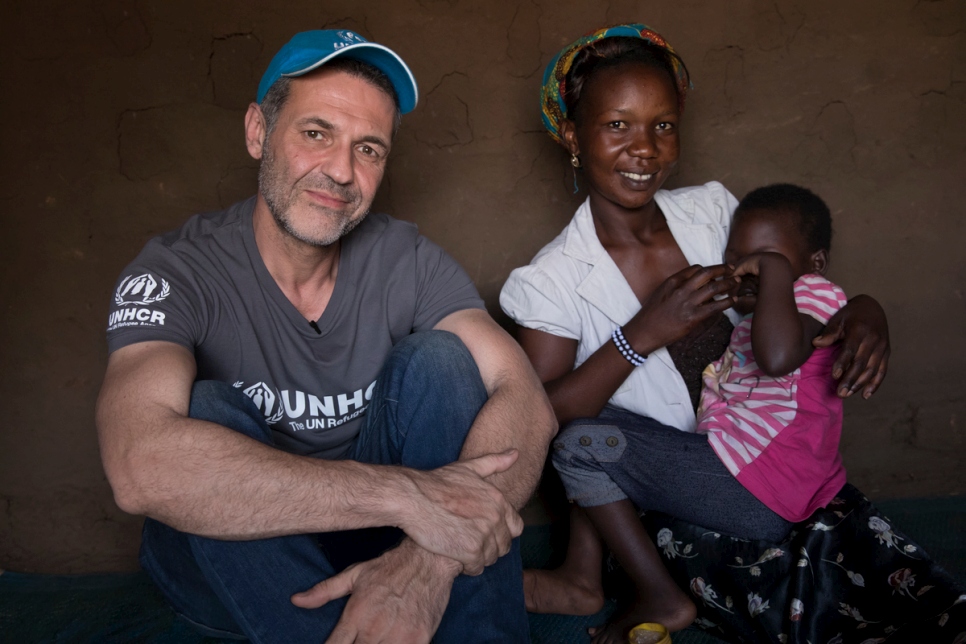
[{"x": 122, "y": 117}]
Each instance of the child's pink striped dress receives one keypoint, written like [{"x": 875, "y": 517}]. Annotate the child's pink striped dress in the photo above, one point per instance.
[{"x": 779, "y": 436}]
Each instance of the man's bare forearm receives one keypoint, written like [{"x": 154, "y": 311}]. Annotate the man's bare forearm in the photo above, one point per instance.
[
  {"x": 225, "y": 485},
  {"x": 203, "y": 478}
]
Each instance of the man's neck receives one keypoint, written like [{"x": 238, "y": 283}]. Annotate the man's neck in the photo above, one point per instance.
[{"x": 305, "y": 273}]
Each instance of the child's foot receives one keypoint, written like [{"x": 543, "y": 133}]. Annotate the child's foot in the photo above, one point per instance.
[
  {"x": 675, "y": 612},
  {"x": 559, "y": 591}
]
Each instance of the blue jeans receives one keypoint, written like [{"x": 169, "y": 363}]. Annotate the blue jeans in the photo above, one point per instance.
[{"x": 422, "y": 407}]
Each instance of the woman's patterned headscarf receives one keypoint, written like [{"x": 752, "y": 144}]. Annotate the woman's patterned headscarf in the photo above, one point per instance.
[{"x": 555, "y": 77}]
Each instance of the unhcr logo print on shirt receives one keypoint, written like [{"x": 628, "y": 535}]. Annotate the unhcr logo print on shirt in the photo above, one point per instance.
[
  {"x": 133, "y": 297},
  {"x": 298, "y": 411}
]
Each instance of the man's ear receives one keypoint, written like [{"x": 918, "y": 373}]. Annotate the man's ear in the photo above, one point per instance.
[
  {"x": 568, "y": 132},
  {"x": 255, "y": 131},
  {"x": 819, "y": 261}
]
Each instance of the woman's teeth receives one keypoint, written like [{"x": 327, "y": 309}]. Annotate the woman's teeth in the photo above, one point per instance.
[{"x": 633, "y": 176}]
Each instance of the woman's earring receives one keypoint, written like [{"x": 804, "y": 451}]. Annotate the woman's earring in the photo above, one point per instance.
[{"x": 575, "y": 162}]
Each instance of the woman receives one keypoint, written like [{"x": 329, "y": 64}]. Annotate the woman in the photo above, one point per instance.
[{"x": 621, "y": 312}]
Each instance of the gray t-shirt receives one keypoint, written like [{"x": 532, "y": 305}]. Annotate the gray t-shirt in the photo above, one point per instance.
[{"x": 206, "y": 288}]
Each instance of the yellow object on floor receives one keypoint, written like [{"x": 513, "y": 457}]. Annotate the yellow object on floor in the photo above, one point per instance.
[{"x": 648, "y": 634}]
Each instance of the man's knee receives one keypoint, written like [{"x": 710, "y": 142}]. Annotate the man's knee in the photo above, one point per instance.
[
  {"x": 434, "y": 351},
  {"x": 424, "y": 403},
  {"x": 433, "y": 365}
]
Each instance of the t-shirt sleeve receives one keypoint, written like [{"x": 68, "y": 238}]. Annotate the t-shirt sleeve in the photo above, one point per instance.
[
  {"x": 442, "y": 286},
  {"x": 156, "y": 298},
  {"x": 818, "y": 297},
  {"x": 534, "y": 301}
]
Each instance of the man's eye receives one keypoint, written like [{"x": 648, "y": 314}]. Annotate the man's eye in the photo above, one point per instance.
[
  {"x": 315, "y": 135},
  {"x": 665, "y": 126},
  {"x": 372, "y": 153},
  {"x": 617, "y": 125}
]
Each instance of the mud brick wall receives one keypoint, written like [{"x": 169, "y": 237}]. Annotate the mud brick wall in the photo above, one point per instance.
[{"x": 120, "y": 118}]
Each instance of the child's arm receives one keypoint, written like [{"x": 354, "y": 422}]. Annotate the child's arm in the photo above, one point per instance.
[{"x": 781, "y": 337}]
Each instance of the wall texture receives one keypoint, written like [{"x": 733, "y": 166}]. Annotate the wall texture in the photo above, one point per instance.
[{"x": 120, "y": 118}]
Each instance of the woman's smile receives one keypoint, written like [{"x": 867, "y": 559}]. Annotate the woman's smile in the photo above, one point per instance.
[{"x": 637, "y": 177}]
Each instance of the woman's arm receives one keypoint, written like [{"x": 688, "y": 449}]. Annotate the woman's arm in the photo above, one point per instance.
[
  {"x": 781, "y": 337},
  {"x": 580, "y": 392},
  {"x": 863, "y": 361},
  {"x": 681, "y": 303}
]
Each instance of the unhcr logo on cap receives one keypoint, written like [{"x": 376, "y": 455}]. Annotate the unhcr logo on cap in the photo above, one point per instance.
[
  {"x": 140, "y": 290},
  {"x": 350, "y": 38}
]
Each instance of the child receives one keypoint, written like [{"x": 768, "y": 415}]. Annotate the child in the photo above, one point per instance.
[
  {"x": 769, "y": 407},
  {"x": 769, "y": 411}
]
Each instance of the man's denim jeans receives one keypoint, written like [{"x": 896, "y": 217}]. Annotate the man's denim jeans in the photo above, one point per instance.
[{"x": 422, "y": 407}]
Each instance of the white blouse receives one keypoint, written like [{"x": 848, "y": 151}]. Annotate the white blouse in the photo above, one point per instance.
[{"x": 573, "y": 289}]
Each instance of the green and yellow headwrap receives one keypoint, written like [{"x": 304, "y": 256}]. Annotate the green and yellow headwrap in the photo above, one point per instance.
[{"x": 555, "y": 77}]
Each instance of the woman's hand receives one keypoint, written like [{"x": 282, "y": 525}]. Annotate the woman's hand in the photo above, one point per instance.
[
  {"x": 862, "y": 327},
  {"x": 681, "y": 303}
]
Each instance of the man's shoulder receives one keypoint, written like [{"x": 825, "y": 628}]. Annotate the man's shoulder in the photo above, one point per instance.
[
  {"x": 200, "y": 229},
  {"x": 382, "y": 235}
]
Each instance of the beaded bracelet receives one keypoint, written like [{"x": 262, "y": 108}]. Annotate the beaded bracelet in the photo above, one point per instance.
[{"x": 625, "y": 348}]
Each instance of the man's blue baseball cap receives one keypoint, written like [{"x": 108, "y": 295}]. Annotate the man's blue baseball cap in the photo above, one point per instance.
[{"x": 310, "y": 50}]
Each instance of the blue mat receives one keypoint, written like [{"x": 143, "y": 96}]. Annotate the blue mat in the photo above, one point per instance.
[{"x": 127, "y": 607}]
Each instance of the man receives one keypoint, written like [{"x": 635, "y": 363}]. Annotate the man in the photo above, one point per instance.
[{"x": 296, "y": 389}]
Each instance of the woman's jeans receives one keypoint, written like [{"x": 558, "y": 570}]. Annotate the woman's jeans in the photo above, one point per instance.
[
  {"x": 620, "y": 455},
  {"x": 422, "y": 407}
]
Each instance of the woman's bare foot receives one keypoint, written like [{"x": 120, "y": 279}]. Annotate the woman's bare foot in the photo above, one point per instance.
[
  {"x": 560, "y": 591},
  {"x": 675, "y": 613}
]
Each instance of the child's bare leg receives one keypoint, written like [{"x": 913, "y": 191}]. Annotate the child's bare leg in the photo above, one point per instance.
[
  {"x": 575, "y": 587},
  {"x": 658, "y": 598}
]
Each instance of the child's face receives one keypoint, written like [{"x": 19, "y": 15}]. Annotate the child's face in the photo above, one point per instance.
[{"x": 765, "y": 231}]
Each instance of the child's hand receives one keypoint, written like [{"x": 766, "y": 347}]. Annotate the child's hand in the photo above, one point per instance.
[
  {"x": 752, "y": 264},
  {"x": 750, "y": 270}
]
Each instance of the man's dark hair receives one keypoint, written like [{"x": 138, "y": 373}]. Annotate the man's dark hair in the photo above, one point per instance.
[
  {"x": 613, "y": 52},
  {"x": 814, "y": 217},
  {"x": 278, "y": 93}
]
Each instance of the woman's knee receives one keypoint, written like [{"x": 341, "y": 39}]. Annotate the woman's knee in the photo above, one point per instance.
[
  {"x": 587, "y": 440},
  {"x": 581, "y": 455}
]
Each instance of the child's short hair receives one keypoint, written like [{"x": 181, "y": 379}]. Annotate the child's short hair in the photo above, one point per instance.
[{"x": 814, "y": 217}]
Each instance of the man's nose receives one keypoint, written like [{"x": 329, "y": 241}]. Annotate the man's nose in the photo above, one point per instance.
[{"x": 339, "y": 164}]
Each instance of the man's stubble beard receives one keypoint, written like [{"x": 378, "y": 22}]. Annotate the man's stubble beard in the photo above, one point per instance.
[{"x": 280, "y": 197}]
